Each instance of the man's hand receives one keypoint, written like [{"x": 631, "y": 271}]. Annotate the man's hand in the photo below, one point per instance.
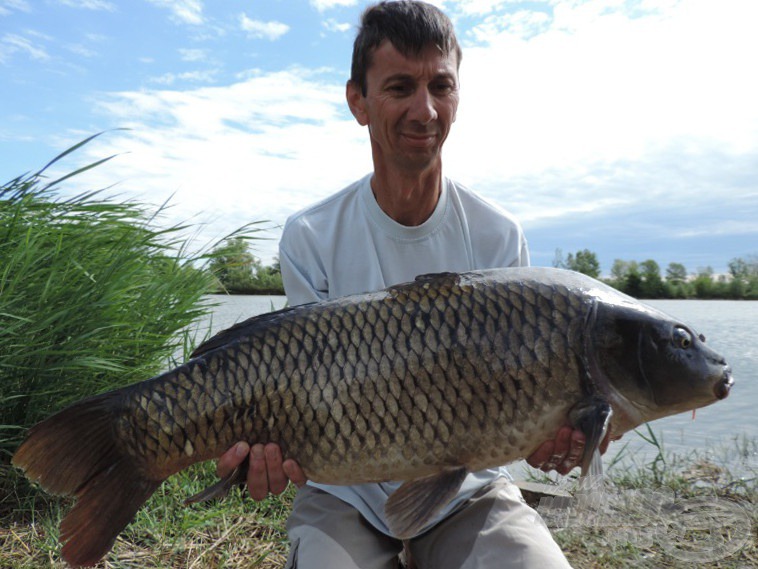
[
  {"x": 267, "y": 472},
  {"x": 564, "y": 452}
]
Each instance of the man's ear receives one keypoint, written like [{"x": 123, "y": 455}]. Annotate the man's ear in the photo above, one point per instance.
[{"x": 356, "y": 101}]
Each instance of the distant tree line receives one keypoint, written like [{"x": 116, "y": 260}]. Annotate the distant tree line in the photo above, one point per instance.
[
  {"x": 238, "y": 271},
  {"x": 645, "y": 280}
]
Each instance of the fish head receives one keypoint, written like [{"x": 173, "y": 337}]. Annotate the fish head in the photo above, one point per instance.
[{"x": 655, "y": 364}]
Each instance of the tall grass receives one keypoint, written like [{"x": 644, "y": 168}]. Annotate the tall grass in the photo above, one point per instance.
[{"x": 93, "y": 295}]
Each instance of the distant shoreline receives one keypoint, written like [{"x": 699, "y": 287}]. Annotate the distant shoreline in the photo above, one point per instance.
[
  {"x": 281, "y": 293},
  {"x": 270, "y": 292}
]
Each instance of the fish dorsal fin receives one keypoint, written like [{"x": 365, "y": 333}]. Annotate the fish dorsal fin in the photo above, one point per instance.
[
  {"x": 452, "y": 278},
  {"x": 242, "y": 329},
  {"x": 416, "y": 502}
]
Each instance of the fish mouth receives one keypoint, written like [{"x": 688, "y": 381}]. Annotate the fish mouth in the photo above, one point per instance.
[{"x": 722, "y": 388}]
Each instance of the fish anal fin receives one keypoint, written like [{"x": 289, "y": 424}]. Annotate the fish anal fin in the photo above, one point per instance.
[
  {"x": 221, "y": 488},
  {"x": 416, "y": 502}
]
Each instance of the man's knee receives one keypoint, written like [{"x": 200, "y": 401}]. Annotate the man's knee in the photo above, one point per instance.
[{"x": 324, "y": 531}]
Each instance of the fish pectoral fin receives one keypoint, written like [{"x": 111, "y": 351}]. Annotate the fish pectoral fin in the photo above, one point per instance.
[
  {"x": 592, "y": 417},
  {"x": 221, "y": 488},
  {"x": 416, "y": 502}
]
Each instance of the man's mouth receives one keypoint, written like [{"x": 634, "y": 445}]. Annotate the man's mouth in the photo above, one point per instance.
[{"x": 420, "y": 139}]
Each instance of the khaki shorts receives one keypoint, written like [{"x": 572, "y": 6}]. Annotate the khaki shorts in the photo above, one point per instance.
[{"x": 494, "y": 529}]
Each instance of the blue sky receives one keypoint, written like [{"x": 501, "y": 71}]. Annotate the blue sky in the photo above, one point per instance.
[{"x": 629, "y": 128}]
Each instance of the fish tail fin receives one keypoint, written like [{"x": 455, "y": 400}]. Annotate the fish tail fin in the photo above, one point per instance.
[{"x": 76, "y": 452}]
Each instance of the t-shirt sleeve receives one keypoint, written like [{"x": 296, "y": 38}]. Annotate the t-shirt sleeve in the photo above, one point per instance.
[
  {"x": 523, "y": 260},
  {"x": 501, "y": 242},
  {"x": 300, "y": 277},
  {"x": 496, "y": 236}
]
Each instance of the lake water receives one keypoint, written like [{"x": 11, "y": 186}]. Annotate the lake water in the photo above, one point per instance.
[{"x": 730, "y": 327}]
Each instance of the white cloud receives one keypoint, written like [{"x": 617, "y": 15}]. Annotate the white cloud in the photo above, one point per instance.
[
  {"x": 619, "y": 88},
  {"x": 193, "y": 54},
  {"x": 184, "y": 11},
  {"x": 89, "y": 4},
  {"x": 333, "y": 25},
  {"x": 11, "y": 44},
  {"x": 263, "y": 30},
  {"x": 477, "y": 7},
  {"x": 258, "y": 149},
  {"x": 521, "y": 24},
  {"x": 206, "y": 76},
  {"x": 587, "y": 116},
  {"x": 8, "y": 6},
  {"x": 323, "y": 5},
  {"x": 81, "y": 50},
  {"x": 615, "y": 109}
]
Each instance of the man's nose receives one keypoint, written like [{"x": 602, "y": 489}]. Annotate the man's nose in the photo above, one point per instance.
[{"x": 422, "y": 107}]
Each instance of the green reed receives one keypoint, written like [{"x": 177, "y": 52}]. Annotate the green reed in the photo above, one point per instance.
[{"x": 94, "y": 294}]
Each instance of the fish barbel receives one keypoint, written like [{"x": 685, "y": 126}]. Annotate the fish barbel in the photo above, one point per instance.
[{"x": 422, "y": 382}]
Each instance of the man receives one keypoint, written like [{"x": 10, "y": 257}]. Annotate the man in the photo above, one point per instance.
[{"x": 403, "y": 220}]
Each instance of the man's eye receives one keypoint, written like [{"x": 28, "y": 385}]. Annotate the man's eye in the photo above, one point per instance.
[{"x": 399, "y": 89}]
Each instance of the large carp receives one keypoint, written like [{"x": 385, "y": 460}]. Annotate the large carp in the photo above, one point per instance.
[{"x": 423, "y": 382}]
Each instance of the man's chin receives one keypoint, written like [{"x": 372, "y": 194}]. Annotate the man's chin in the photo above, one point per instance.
[{"x": 420, "y": 160}]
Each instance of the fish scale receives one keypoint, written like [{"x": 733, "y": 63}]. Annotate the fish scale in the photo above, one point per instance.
[{"x": 422, "y": 382}]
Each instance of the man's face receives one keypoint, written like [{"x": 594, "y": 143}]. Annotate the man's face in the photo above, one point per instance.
[{"x": 409, "y": 107}]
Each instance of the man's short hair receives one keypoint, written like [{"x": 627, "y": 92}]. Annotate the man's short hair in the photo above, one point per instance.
[{"x": 410, "y": 25}]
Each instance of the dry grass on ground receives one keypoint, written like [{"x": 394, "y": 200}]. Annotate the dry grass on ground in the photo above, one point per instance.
[{"x": 236, "y": 533}]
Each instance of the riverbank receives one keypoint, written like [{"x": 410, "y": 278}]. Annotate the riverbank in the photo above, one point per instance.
[{"x": 674, "y": 512}]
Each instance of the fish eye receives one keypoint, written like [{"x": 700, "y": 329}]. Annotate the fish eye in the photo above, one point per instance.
[{"x": 682, "y": 338}]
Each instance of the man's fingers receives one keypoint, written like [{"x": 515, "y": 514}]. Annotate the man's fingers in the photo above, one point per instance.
[
  {"x": 277, "y": 480},
  {"x": 575, "y": 452},
  {"x": 539, "y": 457},
  {"x": 257, "y": 477},
  {"x": 577, "y": 448},
  {"x": 232, "y": 458},
  {"x": 294, "y": 472},
  {"x": 563, "y": 453},
  {"x": 561, "y": 447}
]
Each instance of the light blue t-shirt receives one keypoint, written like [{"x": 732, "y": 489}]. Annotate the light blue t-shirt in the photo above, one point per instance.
[{"x": 346, "y": 244}]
